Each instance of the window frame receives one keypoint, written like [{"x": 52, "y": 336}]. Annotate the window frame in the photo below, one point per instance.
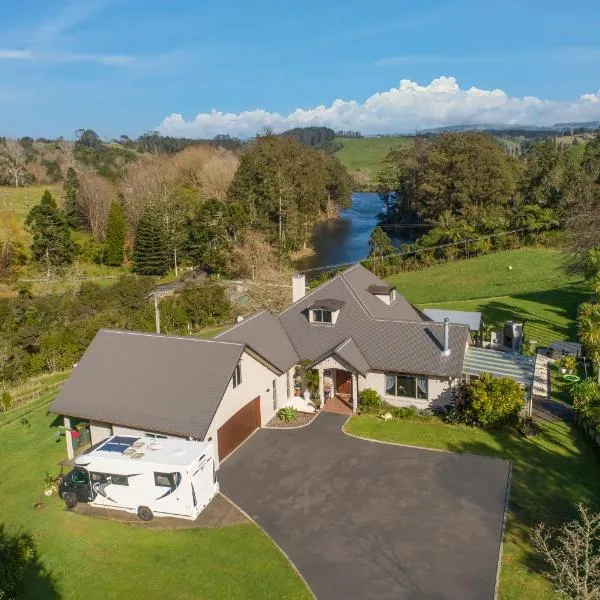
[
  {"x": 415, "y": 379},
  {"x": 236, "y": 378},
  {"x": 170, "y": 477},
  {"x": 322, "y": 312}
]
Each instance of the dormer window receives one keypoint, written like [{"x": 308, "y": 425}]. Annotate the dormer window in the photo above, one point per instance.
[
  {"x": 325, "y": 311},
  {"x": 385, "y": 293},
  {"x": 321, "y": 315}
]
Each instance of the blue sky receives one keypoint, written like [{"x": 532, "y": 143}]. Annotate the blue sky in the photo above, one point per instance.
[{"x": 129, "y": 66}]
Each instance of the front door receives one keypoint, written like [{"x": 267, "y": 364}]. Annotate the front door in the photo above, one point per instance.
[{"x": 343, "y": 381}]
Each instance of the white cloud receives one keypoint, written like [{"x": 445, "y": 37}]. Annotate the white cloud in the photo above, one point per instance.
[
  {"x": 66, "y": 57},
  {"x": 15, "y": 54},
  {"x": 406, "y": 108}
]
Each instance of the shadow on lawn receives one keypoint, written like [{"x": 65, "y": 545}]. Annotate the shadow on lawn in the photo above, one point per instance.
[
  {"x": 551, "y": 473},
  {"x": 563, "y": 302},
  {"x": 25, "y": 576}
]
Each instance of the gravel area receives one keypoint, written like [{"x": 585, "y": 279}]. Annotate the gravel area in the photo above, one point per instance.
[{"x": 303, "y": 419}]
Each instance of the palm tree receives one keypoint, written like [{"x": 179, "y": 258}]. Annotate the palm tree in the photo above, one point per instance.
[{"x": 588, "y": 326}]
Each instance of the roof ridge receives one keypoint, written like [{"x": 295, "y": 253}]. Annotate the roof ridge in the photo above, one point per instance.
[
  {"x": 188, "y": 338},
  {"x": 244, "y": 320},
  {"x": 357, "y": 298}
]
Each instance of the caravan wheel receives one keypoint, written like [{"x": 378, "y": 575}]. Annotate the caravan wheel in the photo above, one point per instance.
[
  {"x": 145, "y": 514},
  {"x": 70, "y": 499}
]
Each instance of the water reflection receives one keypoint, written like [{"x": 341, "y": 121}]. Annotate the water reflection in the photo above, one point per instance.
[{"x": 346, "y": 239}]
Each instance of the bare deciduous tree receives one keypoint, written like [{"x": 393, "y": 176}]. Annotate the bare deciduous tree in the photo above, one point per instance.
[
  {"x": 13, "y": 157},
  {"x": 67, "y": 150},
  {"x": 95, "y": 197},
  {"x": 572, "y": 553}
]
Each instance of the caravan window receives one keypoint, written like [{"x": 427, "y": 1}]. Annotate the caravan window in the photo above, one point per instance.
[
  {"x": 119, "y": 479},
  {"x": 164, "y": 479}
]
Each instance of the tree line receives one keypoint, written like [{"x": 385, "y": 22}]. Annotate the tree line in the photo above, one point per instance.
[
  {"x": 205, "y": 207},
  {"x": 467, "y": 187}
]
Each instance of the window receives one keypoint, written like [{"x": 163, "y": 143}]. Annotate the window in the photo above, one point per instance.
[
  {"x": 321, "y": 315},
  {"x": 79, "y": 476},
  {"x": 164, "y": 479},
  {"x": 407, "y": 386},
  {"x": 237, "y": 375},
  {"x": 274, "y": 394},
  {"x": 155, "y": 436},
  {"x": 119, "y": 479}
]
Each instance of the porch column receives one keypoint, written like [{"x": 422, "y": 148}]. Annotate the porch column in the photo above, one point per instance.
[
  {"x": 321, "y": 388},
  {"x": 68, "y": 438},
  {"x": 354, "y": 392}
]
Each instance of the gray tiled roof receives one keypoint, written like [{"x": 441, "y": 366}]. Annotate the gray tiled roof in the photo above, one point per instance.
[
  {"x": 154, "y": 382},
  {"x": 349, "y": 352},
  {"x": 264, "y": 334},
  {"x": 390, "y": 337}
]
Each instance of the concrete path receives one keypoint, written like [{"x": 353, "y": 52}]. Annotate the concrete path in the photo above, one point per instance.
[{"x": 365, "y": 520}]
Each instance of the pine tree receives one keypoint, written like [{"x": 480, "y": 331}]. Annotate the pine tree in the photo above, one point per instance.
[
  {"x": 52, "y": 245},
  {"x": 70, "y": 189},
  {"x": 116, "y": 230},
  {"x": 151, "y": 255}
]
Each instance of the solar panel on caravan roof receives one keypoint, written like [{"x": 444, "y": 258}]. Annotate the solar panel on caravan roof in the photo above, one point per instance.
[{"x": 119, "y": 444}]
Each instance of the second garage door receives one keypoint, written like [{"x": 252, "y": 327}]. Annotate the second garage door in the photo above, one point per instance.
[{"x": 234, "y": 431}]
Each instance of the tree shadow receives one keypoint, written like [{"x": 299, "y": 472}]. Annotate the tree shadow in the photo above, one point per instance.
[
  {"x": 562, "y": 302},
  {"x": 25, "y": 575}
]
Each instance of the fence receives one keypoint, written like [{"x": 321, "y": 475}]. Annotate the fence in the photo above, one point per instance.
[{"x": 25, "y": 394}]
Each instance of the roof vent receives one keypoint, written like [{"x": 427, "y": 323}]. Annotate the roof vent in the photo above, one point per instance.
[{"x": 446, "y": 351}]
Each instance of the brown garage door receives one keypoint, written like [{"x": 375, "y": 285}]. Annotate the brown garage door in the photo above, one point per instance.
[{"x": 234, "y": 431}]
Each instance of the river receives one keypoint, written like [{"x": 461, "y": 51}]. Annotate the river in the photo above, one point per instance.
[{"x": 345, "y": 239}]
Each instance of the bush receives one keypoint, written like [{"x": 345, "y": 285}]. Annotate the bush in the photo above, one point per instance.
[
  {"x": 404, "y": 412},
  {"x": 586, "y": 399},
  {"x": 287, "y": 414},
  {"x": 569, "y": 363},
  {"x": 5, "y": 400},
  {"x": 488, "y": 402},
  {"x": 369, "y": 400}
]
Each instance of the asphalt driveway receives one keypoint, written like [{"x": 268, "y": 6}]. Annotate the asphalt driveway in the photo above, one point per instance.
[{"x": 365, "y": 520}]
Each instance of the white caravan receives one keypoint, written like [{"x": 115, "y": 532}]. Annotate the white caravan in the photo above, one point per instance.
[{"x": 148, "y": 476}]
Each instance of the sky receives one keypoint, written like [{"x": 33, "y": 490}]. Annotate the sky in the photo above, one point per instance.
[{"x": 196, "y": 69}]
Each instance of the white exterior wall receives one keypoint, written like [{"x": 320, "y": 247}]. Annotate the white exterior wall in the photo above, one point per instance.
[
  {"x": 99, "y": 431},
  {"x": 439, "y": 391},
  {"x": 257, "y": 380}
]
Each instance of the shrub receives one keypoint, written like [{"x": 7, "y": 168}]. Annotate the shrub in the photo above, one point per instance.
[
  {"x": 568, "y": 363},
  {"x": 5, "y": 400},
  {"x": 369, "y": 398},
  {"x": 404, "y": 412},
  {"x": 488, "y": 402},
  {"x": 586, "y": 399},
  {"x": 494, "y": 401},
  {"x": 287, "y": 414}
]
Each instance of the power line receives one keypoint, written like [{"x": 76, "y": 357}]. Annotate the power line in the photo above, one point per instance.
[{"x": 419, "y": 250}]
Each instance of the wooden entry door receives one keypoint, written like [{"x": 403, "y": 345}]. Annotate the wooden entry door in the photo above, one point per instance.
[
  {"x": 343, "y": 382},
  {"x": 236, "y": 429}
]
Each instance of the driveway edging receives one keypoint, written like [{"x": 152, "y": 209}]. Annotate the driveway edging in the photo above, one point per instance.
[
  {"x": 295, "y": 426},
  {"x": 503, "y": 532},
  {"x": 283, "y": 552}
]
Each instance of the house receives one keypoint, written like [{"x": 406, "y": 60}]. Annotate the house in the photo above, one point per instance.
[{"x": 356, "y": 331}]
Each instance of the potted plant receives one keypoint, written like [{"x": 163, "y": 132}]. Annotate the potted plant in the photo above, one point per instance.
[{"x": 568, "y": 364}]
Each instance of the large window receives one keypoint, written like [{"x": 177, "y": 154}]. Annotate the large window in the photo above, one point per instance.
[
  {"x": 237, "y": 375},
  {"x": 321, "y": 315},
  {"x": 406, "y": 386}
]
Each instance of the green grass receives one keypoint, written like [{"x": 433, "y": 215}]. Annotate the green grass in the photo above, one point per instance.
[
  {"x": 366, "y": 153},
  {"x": 104, "y": 559},
  {"x": 21, "y": 200},
  {"x": 537, "y": 291},
  {"x": 552, "y": 472}
]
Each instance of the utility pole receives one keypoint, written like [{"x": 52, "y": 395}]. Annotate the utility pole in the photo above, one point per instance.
[
  {"x": 157, "y": 314},
  {"x": 175, "y": 260}
]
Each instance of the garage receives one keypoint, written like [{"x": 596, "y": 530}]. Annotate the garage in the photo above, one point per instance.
[{"x": 235, "y": 430}]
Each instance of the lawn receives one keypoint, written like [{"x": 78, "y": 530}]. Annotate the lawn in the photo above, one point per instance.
[
  {"x": 366, "y": 153},
  {"x": 536, "y": 291},
  {"x": 103, "y": 559},
  {"x": 552, "y": 471},
  {"x": 21, "y": 200}
]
